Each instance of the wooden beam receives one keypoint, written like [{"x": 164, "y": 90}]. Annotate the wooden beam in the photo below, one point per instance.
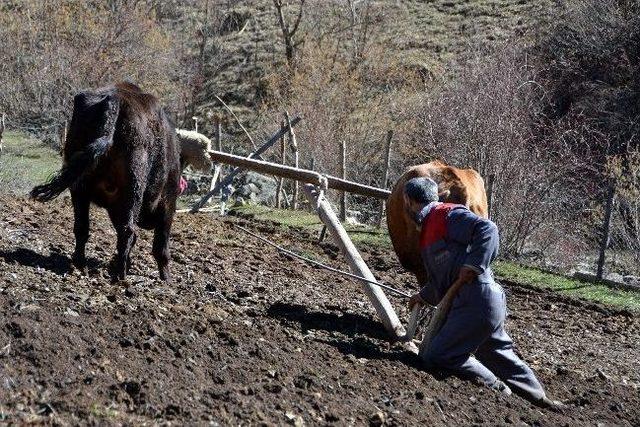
[
  {"x": 383, "y": 307},
  {"x": 304, "y": 175},
  {"x": 229, "y": 178}
]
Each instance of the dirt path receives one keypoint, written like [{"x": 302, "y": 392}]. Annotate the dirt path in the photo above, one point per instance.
[{"x": 245, "y": 335}]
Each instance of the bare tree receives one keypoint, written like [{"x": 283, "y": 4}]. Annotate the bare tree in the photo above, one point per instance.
[{"x": 289, "y": 30}]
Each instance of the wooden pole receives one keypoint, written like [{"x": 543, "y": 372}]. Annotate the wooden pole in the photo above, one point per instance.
[
  {"x": 217, "y": 169},
  {"x": 283, "y": 157},
  {"x": 218, "y": 134},
  {"x": 299, "y": 174},
  {"x": 63, "y": 136},
  {"x": 385, "y": 175},
  {"x": 492, "y": 178},
  {"x": 343, "y": 174},
  {"x": 229, "y": 178},
  {"x": 438, "y": 317},
  {"x": 606, "y": 229},
  {"x": 296, "y": 157},
  {"x": 383, "y": 307},
  {"x": 323, "y": 233}
]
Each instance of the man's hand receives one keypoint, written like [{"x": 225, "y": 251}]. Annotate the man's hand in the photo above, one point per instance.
[
  {"x": 467, "y": 275},
  {"x": 415, "y": 299}
]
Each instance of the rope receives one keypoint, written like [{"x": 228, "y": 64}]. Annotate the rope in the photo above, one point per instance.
[{"x": 395, "y": 291}]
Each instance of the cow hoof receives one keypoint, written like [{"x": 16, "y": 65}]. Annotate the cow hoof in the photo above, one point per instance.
[
  {"x": 165, "y": 276},
  {"x": 79, "y": 264}
]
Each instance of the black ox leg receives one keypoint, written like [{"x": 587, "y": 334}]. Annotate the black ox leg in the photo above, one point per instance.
[
  {"x": 80, "y": 228},
  {"x": 161, "y": 243},
  {"x": 124, "y": 215}
]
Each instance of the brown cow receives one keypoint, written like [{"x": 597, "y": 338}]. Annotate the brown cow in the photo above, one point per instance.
[
  {"x": 121, "y": 154},
  {"x": 463, "y": 186}
]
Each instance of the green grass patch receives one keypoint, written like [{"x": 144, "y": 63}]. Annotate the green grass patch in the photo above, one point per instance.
[
  {"x": 360, "y": 234},
  {"x": 284, "y": 217},
  {"x": 567, "y": 286},
  {"x": 25, "y": 162}
]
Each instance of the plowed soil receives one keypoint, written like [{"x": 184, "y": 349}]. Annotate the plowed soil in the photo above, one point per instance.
[{"x": 245, "y": 335}]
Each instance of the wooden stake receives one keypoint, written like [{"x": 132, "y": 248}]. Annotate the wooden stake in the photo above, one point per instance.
[
  {"x": 323, "y": 233},
  {"x": 381, "y": 304},
  {"x": 606, "y": 229},
  {"x": 217, "y": 169},
  {"x": 283, "y": 157},
  {"x": 385, "y": 175},
  {"x": 218, "y": 134},
  {"x": 343, "y": 174},
  {"x": 296, "y": 157},
  {"x": 492, "y": 178}
]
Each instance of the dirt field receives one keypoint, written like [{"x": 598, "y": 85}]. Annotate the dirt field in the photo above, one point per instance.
[{"x": 245, "y": 335}]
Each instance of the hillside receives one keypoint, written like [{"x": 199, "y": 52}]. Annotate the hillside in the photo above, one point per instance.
[{"x": 422, "y": 35}]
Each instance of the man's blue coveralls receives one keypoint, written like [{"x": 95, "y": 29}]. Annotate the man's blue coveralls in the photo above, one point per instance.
[{"x": 453, "y": 237}]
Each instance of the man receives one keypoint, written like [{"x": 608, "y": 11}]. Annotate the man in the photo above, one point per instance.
[{"x": 456, "y": 244}]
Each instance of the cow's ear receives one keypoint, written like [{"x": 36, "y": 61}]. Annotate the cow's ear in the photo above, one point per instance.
[{"x": 444, "y": 195}]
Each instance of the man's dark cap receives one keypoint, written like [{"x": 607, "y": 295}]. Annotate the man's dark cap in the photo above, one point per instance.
[{"x": 422, "y": 190}]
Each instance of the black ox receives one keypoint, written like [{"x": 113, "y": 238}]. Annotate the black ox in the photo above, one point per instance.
[{"x": 121, "y": 154}]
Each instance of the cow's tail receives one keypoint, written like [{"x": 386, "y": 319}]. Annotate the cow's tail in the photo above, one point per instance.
[{"x": 80, "y": 162}]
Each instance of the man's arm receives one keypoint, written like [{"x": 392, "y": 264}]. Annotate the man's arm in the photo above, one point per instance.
[{"x": 480, "y": 234}]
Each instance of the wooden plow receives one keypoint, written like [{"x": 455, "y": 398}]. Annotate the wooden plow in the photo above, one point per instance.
[{"x": 314, "y": 189}]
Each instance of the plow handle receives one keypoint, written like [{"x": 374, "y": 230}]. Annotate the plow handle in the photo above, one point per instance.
[{"x": 439, "y": 315}]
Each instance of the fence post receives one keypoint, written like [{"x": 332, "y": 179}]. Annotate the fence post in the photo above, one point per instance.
[
  {"x": 218, "y": 134},
  {"x": 385, "y": 175},
  {"x": 283, "y": 157},
  {"x": 492, "y": 178},
  {"x": 343, "y": 175},
  {"x": 606, "y": 229},
  {"x": 63, "y": 136},
  {"x": 296, "y": 157},
  {"x": 218, "y": 168}
]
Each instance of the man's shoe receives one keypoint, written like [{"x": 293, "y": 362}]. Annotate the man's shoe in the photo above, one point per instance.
[{"x": 501, "y": 387}]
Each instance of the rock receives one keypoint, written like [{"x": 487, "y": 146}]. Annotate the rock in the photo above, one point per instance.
[
  {"x": 70, "y": 312},
  {"x": 257, "y": 188},
  {"x": 294, "y": 419},
  {"x": 602, "y": 375},
  {"x": 377, "y": 419}
]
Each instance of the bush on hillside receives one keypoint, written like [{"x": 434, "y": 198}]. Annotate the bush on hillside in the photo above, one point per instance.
[{"x": 591, "y": 61}]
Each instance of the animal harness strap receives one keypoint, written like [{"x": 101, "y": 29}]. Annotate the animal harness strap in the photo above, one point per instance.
[{"x": 434, "y": 226}]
